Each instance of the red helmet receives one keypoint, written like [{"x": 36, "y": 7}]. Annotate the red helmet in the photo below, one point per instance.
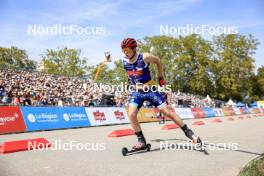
[{"x": 129, "y": 43}]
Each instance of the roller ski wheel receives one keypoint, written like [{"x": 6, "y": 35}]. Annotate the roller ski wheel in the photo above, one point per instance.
[
  {"x": 125, "y": 151},
  {"x": 201, "y": 145},
  {"x": 197, "y": 140}
]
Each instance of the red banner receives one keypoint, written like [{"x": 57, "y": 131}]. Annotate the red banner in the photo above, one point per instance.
[
  {"x": 11, "y": 120},
  {"x": 198, "y": 112}
]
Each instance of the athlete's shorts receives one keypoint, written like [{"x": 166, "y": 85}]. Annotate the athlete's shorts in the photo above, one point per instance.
[{"x": 157, "y": 99}]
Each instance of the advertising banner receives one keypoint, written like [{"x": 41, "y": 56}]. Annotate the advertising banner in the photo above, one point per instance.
[
  {"x": 11, "y": 120},
  {"x": 218, "y": 112},
  {"x": 209, "y": 112},
  {"x": 237, "y": 111},
  {"x": 254, "y": 110},
  {"x": 244, "y": 111},
  {"x": 106, "y": 116},
  {"x": 228, "y": 111},
  {"x": 198, "y": 112},
  {"x": 45, "y": 118},
  {"x": 147, "y": 115},
  {"x": 184, "y": 113}
]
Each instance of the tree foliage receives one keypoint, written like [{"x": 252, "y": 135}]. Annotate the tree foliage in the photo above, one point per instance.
[
  {"x": 222, "y": 68},
  {"x": 15, "y": 58},
  {"x": 64, "y": 61}
]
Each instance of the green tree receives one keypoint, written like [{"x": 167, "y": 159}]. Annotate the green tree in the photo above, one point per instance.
[
  {"x": 119, "y": 73},
  {"x": 260, "y": 80},
  {"x": 186, "y": 61},
  {"x": 166, "y": 48},
  {"x": 105, "y": 73},
  {"x": 64, "y": 61},
  {"x": 109, "y": 76},
  {"x": 257, "y": 82},
  {"x": 15, "y": 58},
  {"x": 194, "y": 65},
  {"x": 234, "y": 65}
]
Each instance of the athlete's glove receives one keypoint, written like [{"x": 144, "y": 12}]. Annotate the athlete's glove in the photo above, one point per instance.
[{"x": 162, "y": 81}]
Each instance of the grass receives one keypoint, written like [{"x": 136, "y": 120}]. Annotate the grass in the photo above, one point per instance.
[{"x": 254, "y": 168}]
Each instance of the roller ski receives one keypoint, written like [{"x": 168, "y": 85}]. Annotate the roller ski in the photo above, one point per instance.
[
  {"x": 136, "y": 148},
  {"x": 140, "y": 146}
]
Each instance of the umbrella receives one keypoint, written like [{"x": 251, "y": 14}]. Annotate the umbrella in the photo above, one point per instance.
[
  {"x": 240, "y": 104},
  {"x": 254, "y": 104},
  {"x": 231, "y": 103}
]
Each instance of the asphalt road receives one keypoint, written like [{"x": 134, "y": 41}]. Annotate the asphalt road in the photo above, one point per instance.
[{"x": 232, "y": 145}]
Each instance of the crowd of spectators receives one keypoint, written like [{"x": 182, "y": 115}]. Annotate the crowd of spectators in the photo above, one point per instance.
[
  {"x": 39, "y": 89},
  {"x": 180, "y": 99}
]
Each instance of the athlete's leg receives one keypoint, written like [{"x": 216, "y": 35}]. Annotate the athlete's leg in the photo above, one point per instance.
[
  {"x": 158, "y": 100},
  {"x": 174, "y": 117},
  {"x": 132, "y": 114},
  {"x": 134, "y": 105}
]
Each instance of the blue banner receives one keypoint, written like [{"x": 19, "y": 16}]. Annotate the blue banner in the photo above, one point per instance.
[
  {"x": 45, "y": 118},
  {"x": 209, "y": 112}
]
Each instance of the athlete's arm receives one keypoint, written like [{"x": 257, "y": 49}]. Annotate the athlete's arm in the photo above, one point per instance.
[{"x": 151, "y": 59}]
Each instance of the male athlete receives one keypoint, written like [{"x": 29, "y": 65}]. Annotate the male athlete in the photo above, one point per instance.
[{"x": 137, "y": 67}]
